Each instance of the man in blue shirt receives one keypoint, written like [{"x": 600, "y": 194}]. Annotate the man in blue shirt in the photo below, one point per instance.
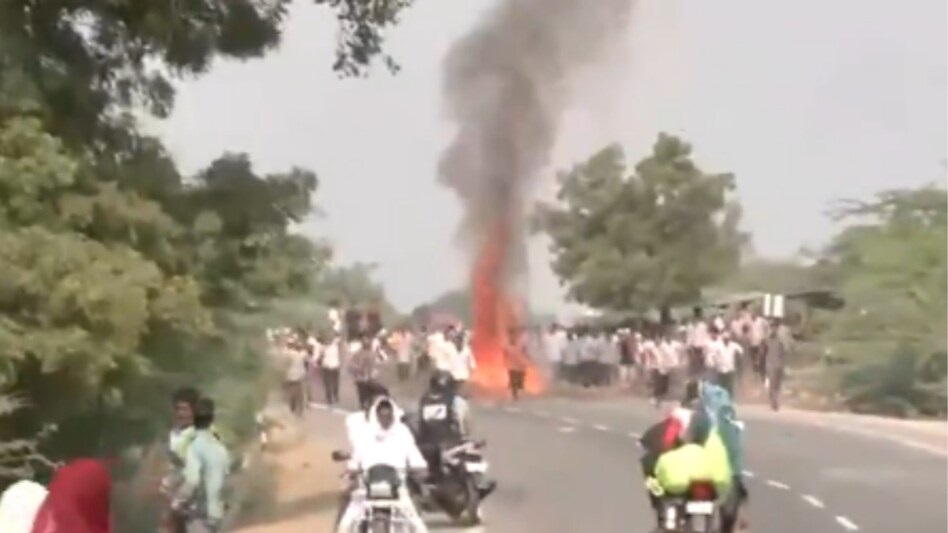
[{"x": 200, "y": 499}]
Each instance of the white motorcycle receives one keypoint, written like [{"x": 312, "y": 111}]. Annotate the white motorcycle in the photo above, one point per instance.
[{"x": 378, "y": 494}]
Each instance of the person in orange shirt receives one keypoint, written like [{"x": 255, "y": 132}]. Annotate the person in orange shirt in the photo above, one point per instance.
[{"x": 516, "y": 357}]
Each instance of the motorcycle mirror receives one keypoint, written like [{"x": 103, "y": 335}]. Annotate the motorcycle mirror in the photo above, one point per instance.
[{"x": 340, "y": 456}]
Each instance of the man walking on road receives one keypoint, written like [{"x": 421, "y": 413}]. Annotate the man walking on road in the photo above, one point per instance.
[
  {"x": 515, "y": 354},
  {"x": 362, "y": 366},
  {"x": 330, "y": 360},
  {"x": 776, "y": 351}
]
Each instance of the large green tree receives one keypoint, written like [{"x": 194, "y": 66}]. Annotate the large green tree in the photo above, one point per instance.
[
  {"x": 123, "y": 279},
  {"x": 650, "y": 237},
  {"x": 109, "y": 299},
  {"x": 891, "y": 266}
]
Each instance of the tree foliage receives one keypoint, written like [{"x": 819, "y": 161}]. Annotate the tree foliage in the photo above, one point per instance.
[
  {"x": 891, "y": 265},
  {"x": 86, "y": 60},
  {"x": 121, "y": 278},
  {"x": 646, "y": 239}
]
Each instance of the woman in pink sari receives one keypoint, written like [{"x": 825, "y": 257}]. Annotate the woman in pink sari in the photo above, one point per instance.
[{"x": 78, "y": 500}]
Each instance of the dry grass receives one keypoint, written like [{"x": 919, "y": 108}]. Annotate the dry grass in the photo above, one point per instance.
[{"x": 301, "y": 488}]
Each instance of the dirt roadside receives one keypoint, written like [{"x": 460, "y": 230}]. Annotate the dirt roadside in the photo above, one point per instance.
[{"x": 303, "y": 490}]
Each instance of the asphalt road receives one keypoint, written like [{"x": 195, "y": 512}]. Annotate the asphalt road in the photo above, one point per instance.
[{"x": 568, "y": 466}]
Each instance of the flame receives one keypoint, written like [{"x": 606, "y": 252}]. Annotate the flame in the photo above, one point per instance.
[{"x": 495, "y": 312}]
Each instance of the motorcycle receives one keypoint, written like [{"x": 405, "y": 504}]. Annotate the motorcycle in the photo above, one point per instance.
[
  {"x": 377, "y": 492},
  {"x": 460, "y": 485},
  {"x": 694, "y": 512}
]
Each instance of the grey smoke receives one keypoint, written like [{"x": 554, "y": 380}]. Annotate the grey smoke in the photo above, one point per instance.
[{"x": 506, "y": 86}]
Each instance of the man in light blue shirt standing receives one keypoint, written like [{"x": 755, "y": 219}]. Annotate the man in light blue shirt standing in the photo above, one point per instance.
[{"x": 200, "y": 499}]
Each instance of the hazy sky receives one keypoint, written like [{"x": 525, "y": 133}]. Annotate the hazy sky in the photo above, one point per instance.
[{"x": 806, "y": 101}]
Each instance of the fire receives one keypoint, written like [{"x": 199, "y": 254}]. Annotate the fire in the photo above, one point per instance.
[{"x": 494, "y": 315}]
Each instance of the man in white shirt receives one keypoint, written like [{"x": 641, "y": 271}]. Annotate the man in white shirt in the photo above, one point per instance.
[
  {"x": 441, "y": 349},
  {"x": 654, "y": 363},
  {"x": 335, "y": 318},
  {"x": 329, "y": 361},
  {"x": 698, "y": 339},
  {"x": 387, "y": 443},
  {"x": 462, "y": 362},
  {"x": 723, "y": 355}
]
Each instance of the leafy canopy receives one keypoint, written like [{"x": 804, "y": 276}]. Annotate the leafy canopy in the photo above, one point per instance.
[
  {"x": 891, "y": 266},
  {"x": 121, "y": 278},
  {"x": 646, "y": 239}
]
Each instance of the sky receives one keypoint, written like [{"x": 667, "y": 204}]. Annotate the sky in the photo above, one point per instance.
[{"x": 806, "y": 102}]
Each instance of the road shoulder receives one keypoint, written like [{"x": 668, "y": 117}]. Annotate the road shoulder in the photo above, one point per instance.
[{"x": 305, "y": 482}]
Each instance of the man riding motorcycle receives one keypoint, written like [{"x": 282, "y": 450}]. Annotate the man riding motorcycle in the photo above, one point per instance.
[
  {"x": 443, "y": 420},
  {"x": 387, "y": 442},
  {"x": 705, "y": 418},
  {"x": 360, "y": 426}
]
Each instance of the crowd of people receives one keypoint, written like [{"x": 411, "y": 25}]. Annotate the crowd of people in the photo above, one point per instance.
[
  {"x": 78, "y": 499},
  {"x": 724, "y": 348}
]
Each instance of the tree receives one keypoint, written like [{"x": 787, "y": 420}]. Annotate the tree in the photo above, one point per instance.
[
  {"x": 85, "y": 61},
  {"x": 109, "y": 299},
  {"x": 892, "y": 265},
  {"x": 651, "y": 239},
  {"x": 123, "y": 279}
]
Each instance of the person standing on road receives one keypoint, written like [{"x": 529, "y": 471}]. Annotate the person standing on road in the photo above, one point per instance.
[
  {"x": 294, "y": 360},
  {"x": 462, "y": 362},
  {"x": 554, "y": 344},
  {"x": 363, "y": 368},
  {"x": 759, "y": 332},
  {"x": 200, "y": 499},
  {"x": 697, "y": 343},
  {"x": 516, "y": 357},
  {"x": 404, "y": 346},
  {"x": 725, "y": 354},
  {"x": 329, "y": 362},
  {"x": 776, "y": 351}
]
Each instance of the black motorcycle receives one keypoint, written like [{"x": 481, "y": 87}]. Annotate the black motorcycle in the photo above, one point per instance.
[{"x": 459, "y": 485}]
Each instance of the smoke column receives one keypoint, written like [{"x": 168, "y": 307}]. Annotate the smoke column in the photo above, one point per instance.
[{"x": 506, "y": 85}]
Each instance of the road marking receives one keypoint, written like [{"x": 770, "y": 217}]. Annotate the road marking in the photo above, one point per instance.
[
  {"x": 812, "y": 500},
  {"x": 320, "y": 406},
  {"x": 512, "y": 409},
  {"x": 846, "y": 523},
  {"x": 542, "y": 413},
  {"x": 566, "y": 429},
  {"x": 601, "y": 427},
  {"x": 568, "y": 420},
  {"x": 340, "y": 411},
  {"x": 634, "y": 435},
  {"x": 778, "y": 485},
  {"x": 748, "y": 474}
]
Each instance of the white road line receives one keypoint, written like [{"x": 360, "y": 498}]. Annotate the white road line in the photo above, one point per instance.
[
  {"x": 566, "y": 429},
  {"x": 748, "y": 474},
  {"x": 320, "y": 406},
  {"x": 634, "y": 435},
  {"x": 601, "y": 427},
  {"x": 512, "y": 409},
  {"x": 340, "y": 411},
  {"x": 778, "y": 485},
  {"x": 542, "y": 413},
  {"x": 568, "y": 420},
  {"x": 812, "y": 500},
  {"x": 846, "y": 523}
]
